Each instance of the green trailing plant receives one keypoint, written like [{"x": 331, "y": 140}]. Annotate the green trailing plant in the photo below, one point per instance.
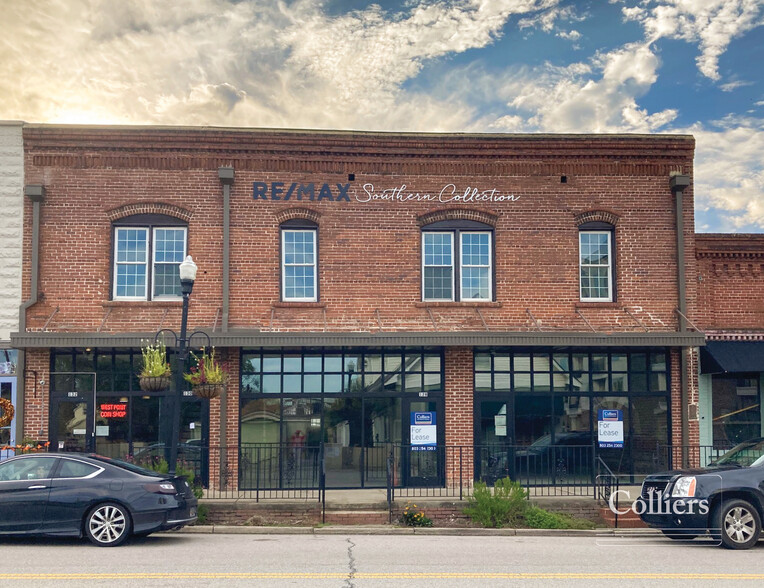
[
  {"x": 207, "y": 370},
  {"x": 155, "y": 362},
  {"x": 539, "y": 518},
  {"x": 159, "y": 465},
  {"x": 505, "y": 505},
  {"x": 413, "y": 516},
  {"x": 202, "y": 512}
]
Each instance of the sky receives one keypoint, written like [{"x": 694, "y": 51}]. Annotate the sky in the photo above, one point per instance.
[{"x": 503, "y": 66}]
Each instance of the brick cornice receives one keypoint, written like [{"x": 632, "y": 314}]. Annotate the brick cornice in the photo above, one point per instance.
[
  {"x": 481, "y": 216},
  {"x": 149, "y": 208},
  {"x": 279, "y": 150},
  {"x": 739, "y": 246}
]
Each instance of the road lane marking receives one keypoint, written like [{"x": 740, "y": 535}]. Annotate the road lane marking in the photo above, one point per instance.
[{"x": 382, "y": 575}]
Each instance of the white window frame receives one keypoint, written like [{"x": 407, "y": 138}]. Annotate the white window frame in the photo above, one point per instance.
[
  {"x": 581, "y": 266},
  {"x": 489, "y": 266},
  {"x": 154, "y": 262},
  {"x": 150, "y": 259},
  {"x": 314, "y": 265},
  {"x": 453, "y": 266}
]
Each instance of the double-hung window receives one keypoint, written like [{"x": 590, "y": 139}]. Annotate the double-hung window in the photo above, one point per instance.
[
  {"x": 147, "y": 257},
  {"x": 299, "y": 255},
  {"x": 596, "y": 264},
  {"x": 457, "y": 264}
]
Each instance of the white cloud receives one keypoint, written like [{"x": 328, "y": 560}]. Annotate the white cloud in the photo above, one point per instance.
[
  {"x": 712, "y": 24},
  {"x": 596, "y": 96},
  {"x": 729, "y": 173},
  {"x": 254, "y": 63},
  {"x": 572, "y": 35},
  {"x": 732, "y": 86},
  {"x": 546, "y": 19}
]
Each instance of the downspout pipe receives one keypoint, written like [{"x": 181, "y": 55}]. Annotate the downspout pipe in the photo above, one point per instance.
[
  {"x": 678, "y": 183},
  {"x": 36, "y": 194},
  {"x": 226, "y": 176}
]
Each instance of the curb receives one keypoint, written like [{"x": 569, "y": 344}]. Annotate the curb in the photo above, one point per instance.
[{"x": 389, "y": 530}]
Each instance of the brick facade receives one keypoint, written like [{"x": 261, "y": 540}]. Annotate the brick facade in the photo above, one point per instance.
[
  {"x": 731, "y": 284},
  {"x": 369, "y": 269}
]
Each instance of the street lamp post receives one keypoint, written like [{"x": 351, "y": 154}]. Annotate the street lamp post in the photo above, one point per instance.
[{"x": 187, "y": 276}]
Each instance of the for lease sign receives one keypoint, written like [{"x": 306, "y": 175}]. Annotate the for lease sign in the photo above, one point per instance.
[
  {"x": 610, "y": 429},
  {"x": 424, "y": 431}
]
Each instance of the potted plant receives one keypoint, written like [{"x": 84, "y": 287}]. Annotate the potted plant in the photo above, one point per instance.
[
  {"x": 207, "y": 377},
  {"x": 155, "y": 373}
]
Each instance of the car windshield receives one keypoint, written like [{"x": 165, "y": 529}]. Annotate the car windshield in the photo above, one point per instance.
[
  {"x": 748, "y": 453},
  {"x": 136, "y": 469}
]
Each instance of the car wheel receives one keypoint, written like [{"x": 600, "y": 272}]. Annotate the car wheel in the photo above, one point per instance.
[
  {"x": 739, "y": 523},
  {"x": 677, "y": 536},
  {"x": 108, "y": 525}
]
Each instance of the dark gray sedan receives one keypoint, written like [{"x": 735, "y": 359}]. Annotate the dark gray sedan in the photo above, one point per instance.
[{"x": 106, "y": 500}]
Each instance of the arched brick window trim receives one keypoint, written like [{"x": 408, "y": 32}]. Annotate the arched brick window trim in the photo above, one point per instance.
[
  {"x": 297, "y": 213},
  {"x": 597, "y": 216},
  {"x": 149, "y": 208},
  {"x": 435, "y": 216}
]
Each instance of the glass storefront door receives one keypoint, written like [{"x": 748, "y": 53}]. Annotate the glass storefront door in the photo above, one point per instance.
[
  {"x": 343, "y": 442},
  {"x": 73, "y": 425},
  {"x": 7, "y": 433},
  {"x": 424, "y": 458},
  {"x": 359, "y": 434},
  {"x": 72, "y": 411},
  {"x": 494, "y": 457}
]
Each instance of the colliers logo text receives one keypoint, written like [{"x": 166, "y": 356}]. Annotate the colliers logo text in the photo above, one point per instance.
[{"x": 368, "y": 193}]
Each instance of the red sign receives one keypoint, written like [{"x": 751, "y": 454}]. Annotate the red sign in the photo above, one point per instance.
[{"x": 114, "y": 411}]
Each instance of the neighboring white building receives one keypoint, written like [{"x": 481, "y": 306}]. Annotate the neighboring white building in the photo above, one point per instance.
[{"x": 11, "y": 237}]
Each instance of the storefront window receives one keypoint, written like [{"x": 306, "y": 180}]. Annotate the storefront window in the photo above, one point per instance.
[
  {"x": 357, "y": 403},
  {"x": 547, "y": 402},
  {"x": 736, "y": 409},
  {"x": 9, "y": 359},
  {"x": 97, "y": 405}
]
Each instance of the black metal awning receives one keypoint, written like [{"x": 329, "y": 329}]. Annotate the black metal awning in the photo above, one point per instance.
[
  {"x": 719, "y": 357},
  {"x": 276, "y": 339}
]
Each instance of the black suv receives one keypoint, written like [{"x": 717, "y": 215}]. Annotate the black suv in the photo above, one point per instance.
[{"x": 724, "y": 499}]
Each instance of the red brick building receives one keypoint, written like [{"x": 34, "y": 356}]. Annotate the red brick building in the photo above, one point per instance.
[
  {"x": 485, "y": 294},
  {"x": 731, "y": 313}
]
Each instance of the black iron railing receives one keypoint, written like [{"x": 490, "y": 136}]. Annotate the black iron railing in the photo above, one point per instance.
[
  {"x": 557, "y": 470},
  {"x": 670, "y": 457}
]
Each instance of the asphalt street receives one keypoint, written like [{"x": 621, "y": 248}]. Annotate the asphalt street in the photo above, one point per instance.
[{"x": 352, "y": 560}]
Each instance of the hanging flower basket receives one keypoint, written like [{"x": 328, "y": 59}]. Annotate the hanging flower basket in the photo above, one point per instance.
[
  {"x": 154, "y": 383},
  {"x": 155, "y": 373},
  {"x": 207, "y": 377},
  {"x": 207, "y": 391}
]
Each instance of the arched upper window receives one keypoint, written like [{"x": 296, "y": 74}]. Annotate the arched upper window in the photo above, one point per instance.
[
  {"x": 147, "y": 252},
  {"x": 457, "y": 261},
  {"x": 299, "y": 260},
  {"x": 595, "y": 247}
]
